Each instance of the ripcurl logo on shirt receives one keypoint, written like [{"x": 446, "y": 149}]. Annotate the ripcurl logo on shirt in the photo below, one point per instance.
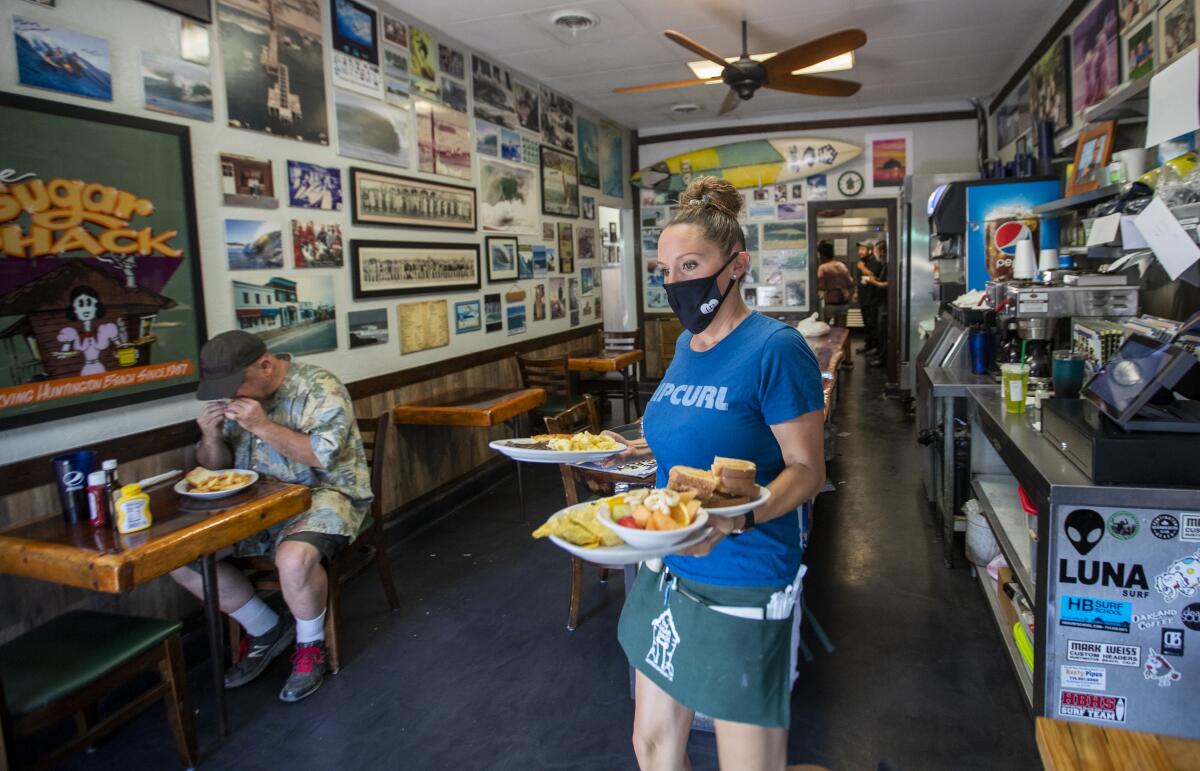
[{"x": 704, "y": 397}]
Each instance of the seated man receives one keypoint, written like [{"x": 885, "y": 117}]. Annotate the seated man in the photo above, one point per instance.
[{"x": 293, "y": 422}]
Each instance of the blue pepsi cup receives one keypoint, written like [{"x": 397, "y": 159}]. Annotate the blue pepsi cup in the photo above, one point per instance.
[
  {"x": 981, "y": 351},
  {"x": 70, "y": 472}
]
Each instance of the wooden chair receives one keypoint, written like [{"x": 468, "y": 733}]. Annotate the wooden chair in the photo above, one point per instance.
[
  {"x": 369, "y": 548},
  {"x": 61, "y": 670},
  {"x": 669, "y": 331},
  {"x": 583, "y": 415},
  {"x": 608, "y": 384},
  {"x": 552, "y": 374}
]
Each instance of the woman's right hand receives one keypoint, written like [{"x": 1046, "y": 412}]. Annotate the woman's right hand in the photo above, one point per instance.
[{"x": 634, "y": 449}]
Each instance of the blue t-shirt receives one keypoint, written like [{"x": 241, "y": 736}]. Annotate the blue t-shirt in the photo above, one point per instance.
[{"x": 723, "y": 402}]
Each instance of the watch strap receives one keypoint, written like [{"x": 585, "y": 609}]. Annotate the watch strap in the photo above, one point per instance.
[{"x": 747, "y": 523}]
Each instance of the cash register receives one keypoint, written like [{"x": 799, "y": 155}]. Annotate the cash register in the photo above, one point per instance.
[{"x": 1132, "y": 427}]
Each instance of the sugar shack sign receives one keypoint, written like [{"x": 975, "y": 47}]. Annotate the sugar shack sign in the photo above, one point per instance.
[{"x": 100, "y": 299}]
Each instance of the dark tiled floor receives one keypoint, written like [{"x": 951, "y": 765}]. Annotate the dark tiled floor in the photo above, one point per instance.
[{"x": 476, "y": 670}]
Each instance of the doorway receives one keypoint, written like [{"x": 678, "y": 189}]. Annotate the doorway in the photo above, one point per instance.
[{"x": 845, "y": 224}]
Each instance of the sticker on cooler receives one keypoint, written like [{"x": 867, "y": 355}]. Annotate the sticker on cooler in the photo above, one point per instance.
[
  {"x": 1094, "y": 706},
  {"x": 1095, "y": 613},
  {"x": 1181, "y": 578},
  {"x": 1116, "y": 654},
  {"x": 1158, "y": 668},
  {"x": 1091, "y": 678},
  {"x": 1189, "y": 527}
]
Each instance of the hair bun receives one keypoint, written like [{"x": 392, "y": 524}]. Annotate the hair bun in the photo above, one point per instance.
[{"x": 715, "y": 192}]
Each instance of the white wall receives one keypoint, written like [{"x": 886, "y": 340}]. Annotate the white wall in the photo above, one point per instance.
[{"x": 130, "y": 27}]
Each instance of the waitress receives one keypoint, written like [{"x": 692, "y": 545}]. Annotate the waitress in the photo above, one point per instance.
[{"x": 711, "y": 631}]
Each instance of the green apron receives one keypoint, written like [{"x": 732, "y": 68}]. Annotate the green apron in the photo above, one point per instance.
[{"x": 723, "y": 666}]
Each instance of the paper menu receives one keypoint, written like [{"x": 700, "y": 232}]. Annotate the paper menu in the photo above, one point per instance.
[
  {"x": 1172, "y": 245},
  {"x": 1175, "y": 100},
  {"x": 1104, "y": 230}
]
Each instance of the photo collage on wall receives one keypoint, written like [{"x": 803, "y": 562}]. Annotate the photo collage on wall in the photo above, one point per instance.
[{"x": 403, "y": 102}]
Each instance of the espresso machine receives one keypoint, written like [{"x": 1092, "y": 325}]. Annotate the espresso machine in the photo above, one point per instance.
[{"x": 1043, "y": 312}]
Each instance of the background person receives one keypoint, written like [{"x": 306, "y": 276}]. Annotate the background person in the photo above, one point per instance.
[
  {"x": 292, "y": 422},
  {"x": 690, "y": 657},
  {"x": 835, "y": 285},
  {"x": 872, "y": 298}
]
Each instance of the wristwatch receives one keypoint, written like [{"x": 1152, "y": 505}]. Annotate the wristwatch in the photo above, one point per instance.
[{"x": 747, "y": 524}]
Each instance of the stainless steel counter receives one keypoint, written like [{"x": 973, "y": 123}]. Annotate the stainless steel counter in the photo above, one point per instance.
[{"x": 954, "y": 382}]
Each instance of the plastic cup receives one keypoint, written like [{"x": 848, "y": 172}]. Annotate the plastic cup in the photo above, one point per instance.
[
  {"x": 981, "y": 351},
  {"x": 70, "y": 472},
  {"x": 1014, "y": 384},
  {"x": 1066, "y": 372}
]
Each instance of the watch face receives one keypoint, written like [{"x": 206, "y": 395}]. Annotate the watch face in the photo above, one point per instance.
[{"x": 850, "y": 183}]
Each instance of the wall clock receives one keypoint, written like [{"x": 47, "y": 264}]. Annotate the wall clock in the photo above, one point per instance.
[{"x": 850, "y": 184}]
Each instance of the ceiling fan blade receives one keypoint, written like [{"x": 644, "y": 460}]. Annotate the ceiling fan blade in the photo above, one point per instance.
[
  {"x": 814, "y": 51},
  {"x": 661, "y": 86},
  {"x": 694, "y": 47},
  {"x": 732, "y": 100},
  {"x": 814, "y": 85}
]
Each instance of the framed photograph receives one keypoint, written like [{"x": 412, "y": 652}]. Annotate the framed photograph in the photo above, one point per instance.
[
  {"x": 87, "y": 329},
  {"x": 492, "y": 87},
  {"x": 524, "y": 261},
  {"x": 1137, "y": 50},
  {"x": 395, "y": 31},
  {"x": 250, "y": 78},
  {"x": 527, "y": 105},
  {"x": 501, "y": 258},
  {"x": 61, "y": 59},
  {"x": 587, "y": 243},
  {"x": 291, "y": 315},
  {"x": 253, "y": 244},
  {"x": 1095, "y": 55},
  {"x": 558, "y": 120},
  {"x": 372, "y": 130},
  {"x": 386, "y": 199},
  {"x": 176, "y": 87},
  {"x": 451, "y": 61},
  {"x": 467, "y": 317},
  {"x": 1050, "y": 86},
  {"x": 1093, "y": 150},
  {"x": 889, "y": 158},
  {"x": 194, "y": 42},
  {"x": 589, "y": 153},
  {"x": 423, "y": 325},
  {"x": 589, "y": 207},
  {"x": 395, "y": 268},
  {"x": 566, "y": 247},
  {"x": 1176, "y": 29},
  {"x": 492, "y": 317},
  {"x": 423, "y": 51},
  {"x": 443, "y": 140},
  {"x": 247, "y": 181},
  {"x": 316, "y": 244},
  {"x": 314, "y": 187},
  {"x": 516, "y": 318},
  {"x": 560, "y": 183},
  {"x": 507, "y": 198},
  {"x": 548, "y": 231},
  {"x": 1131, "y": 12},
  {"x": 367, "y": 327},
  {"x": 612, "y": 161}
]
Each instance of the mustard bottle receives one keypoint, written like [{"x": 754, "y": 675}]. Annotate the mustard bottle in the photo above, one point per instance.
[{"x": 133, "y": 509}]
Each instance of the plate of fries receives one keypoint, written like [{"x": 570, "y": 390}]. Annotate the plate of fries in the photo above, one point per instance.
[
  {"x": 559, "y": 448},
  {"x": 209, "y": 484},
  {"x": 579, "y": 531}
]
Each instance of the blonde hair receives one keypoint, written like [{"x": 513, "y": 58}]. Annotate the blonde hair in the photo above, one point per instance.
[{"x": 713, "y": 205}]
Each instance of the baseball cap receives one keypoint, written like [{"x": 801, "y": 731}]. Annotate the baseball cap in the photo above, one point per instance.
[{"x": 223, "y": 363}]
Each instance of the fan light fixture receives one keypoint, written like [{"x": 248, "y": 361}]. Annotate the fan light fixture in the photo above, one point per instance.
[{"x": 706, "y": 70}]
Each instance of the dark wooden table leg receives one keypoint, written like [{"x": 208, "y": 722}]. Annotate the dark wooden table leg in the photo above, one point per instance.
[
  {"x": 514, "y": 426},
  {"x": 216, "y": 639}
]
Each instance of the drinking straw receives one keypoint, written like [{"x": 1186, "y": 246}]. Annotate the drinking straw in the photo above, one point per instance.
[{"x": 1023, "y": 351}]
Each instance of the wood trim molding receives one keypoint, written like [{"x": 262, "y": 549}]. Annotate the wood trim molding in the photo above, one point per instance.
[
  {"x": 1060, "y": 25},
  {"x": 808, "y": 125},
  {"x": 32, "y": 472}
]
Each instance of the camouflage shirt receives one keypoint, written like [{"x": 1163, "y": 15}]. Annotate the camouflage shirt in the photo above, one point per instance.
[{"x": 312, "y": 401}]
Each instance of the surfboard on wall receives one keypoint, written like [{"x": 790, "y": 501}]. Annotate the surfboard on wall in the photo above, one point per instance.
[{"x": 751, "y": 163}]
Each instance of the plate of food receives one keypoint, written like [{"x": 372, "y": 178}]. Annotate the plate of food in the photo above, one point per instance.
[
  {"x": 559, "y": 448},
  {"x": 628, "y": 527},
  {"x": 725, "y": 489},
  {"x": 209, "y": 484}
]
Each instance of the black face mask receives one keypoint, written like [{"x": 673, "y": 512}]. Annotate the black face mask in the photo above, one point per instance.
[{"x": 696, "y": 300}]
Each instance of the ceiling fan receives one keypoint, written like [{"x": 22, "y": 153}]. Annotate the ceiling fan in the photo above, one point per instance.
[{"x": 744, "y": 76}]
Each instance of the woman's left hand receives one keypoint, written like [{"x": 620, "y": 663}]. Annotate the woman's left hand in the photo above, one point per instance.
[{"x": 721, "y": 527}]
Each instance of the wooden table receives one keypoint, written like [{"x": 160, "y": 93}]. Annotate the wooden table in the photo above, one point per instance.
[
  {"x": 831, "y": 350},
  {"x": 476, "y": 408},
  {"x": 611, "y": 361},
  {"x": 184, "y": 530},
  {"x": 1071, "y": 746}
]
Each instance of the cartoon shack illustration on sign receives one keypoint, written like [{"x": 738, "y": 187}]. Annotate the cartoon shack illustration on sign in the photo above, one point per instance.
[{"x": 99, "y": 284}]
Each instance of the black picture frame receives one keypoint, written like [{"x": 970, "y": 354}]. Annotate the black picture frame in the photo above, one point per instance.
[
  {"x": 200, "y": 10},
  {"x": 182, "y": 135},
  {"x": 358, "y": 217},
  {"x": 503, "y": 277},
  {"x": 360, "y": 291},
  {"x": 571, "y": 208}
]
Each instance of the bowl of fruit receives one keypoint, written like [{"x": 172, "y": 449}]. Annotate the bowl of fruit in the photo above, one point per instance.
[{"x": 652, "y": 519}]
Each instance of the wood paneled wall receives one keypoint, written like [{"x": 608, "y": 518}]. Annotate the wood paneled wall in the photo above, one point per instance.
[{"x": 419, "y": 460}]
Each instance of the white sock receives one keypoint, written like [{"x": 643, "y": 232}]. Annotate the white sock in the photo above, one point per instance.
[
  {"x": 310, "y": 631},
  {"x": 256, "y": 617}
]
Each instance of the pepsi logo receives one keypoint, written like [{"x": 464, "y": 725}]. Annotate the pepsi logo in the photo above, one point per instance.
[
  {"x": 73, "y": 480},
  {"x": 1007, "y": 235}
]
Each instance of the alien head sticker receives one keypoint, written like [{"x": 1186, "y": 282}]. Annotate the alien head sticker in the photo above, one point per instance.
[{"x": 1084, "y": 529}]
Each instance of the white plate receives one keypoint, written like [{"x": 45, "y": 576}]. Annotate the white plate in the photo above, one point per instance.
[
  {"x": 741, "y": 508},
  {"x": 513, "y": 448},
  {"x": 624, "y": 554},
  {"x": 181, "y": 486}
]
